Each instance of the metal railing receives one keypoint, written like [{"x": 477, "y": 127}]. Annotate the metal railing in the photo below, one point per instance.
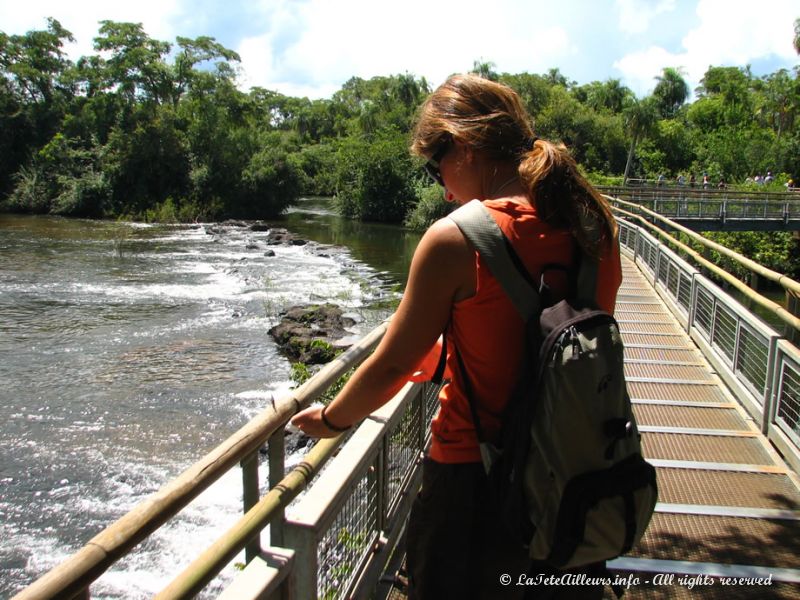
[
  {"x": 335, "y": 529},
  {"x": 692, "y": 204},
  {"x": 760, "y": 367}
]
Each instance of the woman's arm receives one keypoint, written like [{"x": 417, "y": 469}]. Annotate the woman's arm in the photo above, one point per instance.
[{"x": 442, "y": 271}]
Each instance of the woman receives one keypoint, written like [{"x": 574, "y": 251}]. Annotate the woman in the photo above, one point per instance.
[{"x": 478, "y": 142}]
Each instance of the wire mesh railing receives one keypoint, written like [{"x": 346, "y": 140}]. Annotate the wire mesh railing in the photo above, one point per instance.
[
  {"x": 345, "y": 527},
  {"x": 787, "y": 395}
]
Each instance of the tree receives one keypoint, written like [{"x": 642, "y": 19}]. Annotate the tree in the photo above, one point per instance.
[
  {"x": 797, "y": 35},
  {"x": 36, "y": 62},
  {"x": 136, "y": 65},
  {"x": 194, "y": 52},
  {"x": 732, "y": 86},
  {"x": 777, "y": 101},
  {"x": 555, "y": 77},
  {"x": 641, "y": 117},
  {"x": 671, "y": 92},
  {"x": 609, "y": 95},
  {"x": 485, "y": 69},
  {"x": 534, "y": 90}
]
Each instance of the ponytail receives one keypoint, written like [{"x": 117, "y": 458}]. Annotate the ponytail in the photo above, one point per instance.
[{"x": 564, "y": 198}]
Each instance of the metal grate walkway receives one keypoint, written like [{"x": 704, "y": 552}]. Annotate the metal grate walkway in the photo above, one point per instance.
[{"x": 728, "y": 504}]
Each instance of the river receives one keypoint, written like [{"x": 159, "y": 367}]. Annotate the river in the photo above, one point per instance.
[{"x": 128, "y": 351}]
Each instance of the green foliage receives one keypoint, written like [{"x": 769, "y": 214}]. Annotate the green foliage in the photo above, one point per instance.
[
  {"x": 300, "y": 373},
  {"x": 374, "y": 179},
  {"x": 160, "y": 131},
  {"x": 776, "y": 250},
  {"x": 670, "y": 92},
  {"x": 430, "y": 207},
  {"x": 318, "y": 163},
  {"x": 270, "y": 182}
]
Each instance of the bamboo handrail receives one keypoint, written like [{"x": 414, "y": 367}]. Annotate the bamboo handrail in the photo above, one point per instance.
[
  {"x": 787, "y": 283},
  {"x": 76, "y": 573},
  {"x": 206, "y": 566},
  {"x": 749, "y": 293}
]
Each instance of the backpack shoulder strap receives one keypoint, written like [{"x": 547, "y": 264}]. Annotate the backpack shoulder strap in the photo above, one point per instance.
[
  {"x": 485, "y": 235},
  {"x": 587, "y": 281}
]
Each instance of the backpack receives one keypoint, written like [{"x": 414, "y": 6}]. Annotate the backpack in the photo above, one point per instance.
[{"x": 567, "y": 474}]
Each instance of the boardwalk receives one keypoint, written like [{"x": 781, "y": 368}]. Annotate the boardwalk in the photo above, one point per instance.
[
  {"x": 725, "y": 496},
  {"x": 728, "y": 504}
]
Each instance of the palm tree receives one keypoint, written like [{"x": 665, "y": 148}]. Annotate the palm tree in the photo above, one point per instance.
[
  {"x": 670, "y": 92},
  {"x": 641, "y": 117},
  {"x": 797, "y": 35},
  {"x": 485, "y": 69}
]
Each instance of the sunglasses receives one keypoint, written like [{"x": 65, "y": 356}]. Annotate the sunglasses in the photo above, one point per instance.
[{"x": 432, "y": 166}]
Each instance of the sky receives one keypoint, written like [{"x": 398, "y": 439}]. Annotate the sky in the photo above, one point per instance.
[{"x": 311, "y": 47}]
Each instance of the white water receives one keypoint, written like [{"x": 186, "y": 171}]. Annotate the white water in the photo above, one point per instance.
[{"x": 126, "y": 353}]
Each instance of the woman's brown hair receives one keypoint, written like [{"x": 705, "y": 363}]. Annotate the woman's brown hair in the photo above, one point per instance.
[{"x": 490, "y": 118}]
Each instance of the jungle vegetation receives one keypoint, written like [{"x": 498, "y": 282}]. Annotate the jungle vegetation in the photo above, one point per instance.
[{"x": 154, "y": 130}]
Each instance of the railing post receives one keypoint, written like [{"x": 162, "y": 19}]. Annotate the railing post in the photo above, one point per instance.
[
  {"x": 752, "y": 281},
  {"x": 793, "y": 306},
  {"x": 303, "y": 539},
  {"x": 770, "y": 395},
  {"x": 276, "y": 455},
  {"x": 376, "y": 475},
  {"x": 422, "y": 408},
  {"x": 250, "y": 499}
]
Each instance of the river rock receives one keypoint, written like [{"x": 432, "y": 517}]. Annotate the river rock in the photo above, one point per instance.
[
  {"x": 283, "y": 237},
  {"x": 306, "y": 333}
]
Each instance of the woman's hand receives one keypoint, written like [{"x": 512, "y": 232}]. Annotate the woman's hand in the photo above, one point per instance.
[
  {"x": 310, "y": 422},
  {"x": 442, "y": 271}
]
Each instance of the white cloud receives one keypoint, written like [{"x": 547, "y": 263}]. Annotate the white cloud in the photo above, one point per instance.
[
  {"x": 333, "y": 41},
  {"x": 635, "y": 15},
  {"x": 727, "y": 33},
  {"x": 82, "y": 18},
  {"x": 311, "y": 47},
  {"x": 641, "y": 68}
]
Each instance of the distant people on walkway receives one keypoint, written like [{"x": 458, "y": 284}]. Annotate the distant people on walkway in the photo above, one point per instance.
[
  {"x": 692, "y": 180},
  {"x": 680, "y": 180},
  {"x": 706, "y": 181},
  {"x": 769, "y": 178}
]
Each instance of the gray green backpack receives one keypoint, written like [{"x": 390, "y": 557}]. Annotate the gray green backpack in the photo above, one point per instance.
[{"x": 568, "y": 473}]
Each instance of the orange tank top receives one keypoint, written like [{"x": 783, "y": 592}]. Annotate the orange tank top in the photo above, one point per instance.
[{"x": 488, "y": 331}]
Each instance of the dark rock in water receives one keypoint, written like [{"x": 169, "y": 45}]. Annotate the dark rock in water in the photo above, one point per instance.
[
  {"x": 296, "y": 441},
  {"x": 269, "y": 253},
  {"x": 279, "y": 236},
  {"x": 306, "y": 333},
  {"x": 260, "y": 227},
  {"x": 234, "y": 223},
  {"x": 252, "y": 246}
]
